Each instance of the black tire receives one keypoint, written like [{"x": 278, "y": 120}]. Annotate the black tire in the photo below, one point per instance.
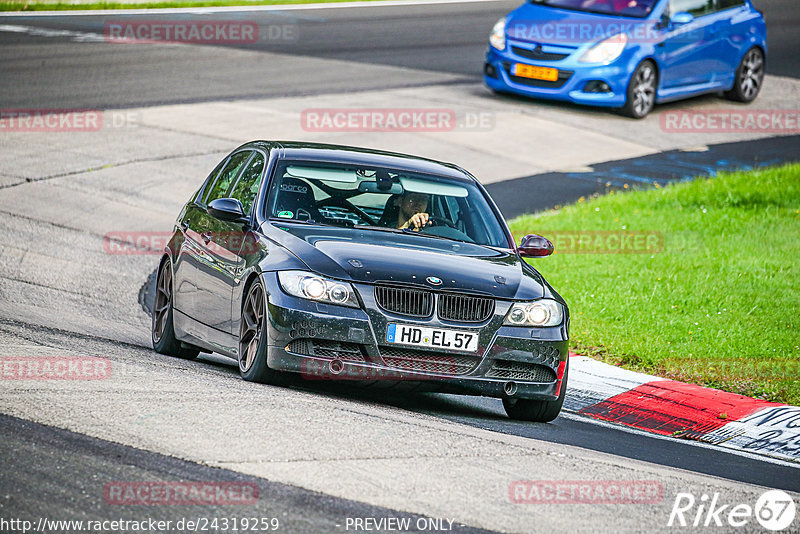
[
  {"x": 162, "y": 331},
  {"x": 640, "y": 97},
  {"x": 539, "y": 411},
  {"x": 253, "y": 339},
  {"x": 749, "y": 77}
]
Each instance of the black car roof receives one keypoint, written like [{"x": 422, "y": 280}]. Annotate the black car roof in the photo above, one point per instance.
[{"x": 362, "y": 156}]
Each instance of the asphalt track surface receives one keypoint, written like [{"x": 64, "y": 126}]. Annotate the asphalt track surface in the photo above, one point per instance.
[
  {"x": 46, "y": 71},
  {"x": 62, "y": 469},
  {"x": 432, "y": 40}
]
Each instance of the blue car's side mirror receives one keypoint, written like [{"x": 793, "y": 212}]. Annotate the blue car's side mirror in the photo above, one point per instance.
[{"x": 681, "y": 18}]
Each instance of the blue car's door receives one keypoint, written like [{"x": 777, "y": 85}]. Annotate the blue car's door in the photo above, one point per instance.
[
  {"x": 735, "y": 41},
  {"x": 689, "y": 53}
]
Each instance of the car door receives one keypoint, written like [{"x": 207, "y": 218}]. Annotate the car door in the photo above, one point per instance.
[
  {"x": 686, "y": 55},
  {"x": 207, "y": 265},
  {"x": 243, "y": 243},
  {"x": 736, "y": 36},
  {"x": 184, "y": 263}
]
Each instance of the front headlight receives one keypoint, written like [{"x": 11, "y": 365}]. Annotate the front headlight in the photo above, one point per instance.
[
  {"x": 607, "y": 50},
  {"x": 544, "y": 312},
  {"x": 308, "y": 285},
  {"x": 498, "y": 36}
]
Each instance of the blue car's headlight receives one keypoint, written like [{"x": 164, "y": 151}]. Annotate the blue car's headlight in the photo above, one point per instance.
[
  {"x": 607, "y": 50},
  {"x": 498, "y": 36},
  {"x": 544, "y": 312},
  {"x": 308, "y": 285}
]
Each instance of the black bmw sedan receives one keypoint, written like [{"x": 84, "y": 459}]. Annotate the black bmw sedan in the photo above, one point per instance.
[{"x": 344, "y": 263}]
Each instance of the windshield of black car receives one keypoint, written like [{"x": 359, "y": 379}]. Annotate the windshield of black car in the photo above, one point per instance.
[
  {"x": 380, "y": 199},
  {"x": 623, "y": 8}
]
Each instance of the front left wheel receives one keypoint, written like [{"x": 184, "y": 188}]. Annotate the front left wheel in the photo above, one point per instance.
[
  {"x": 253, "y": 341},
  {"x": 640, "y": 98},
  {"x": 539, "y": 411},
  {"x": 162, "y": 329}
]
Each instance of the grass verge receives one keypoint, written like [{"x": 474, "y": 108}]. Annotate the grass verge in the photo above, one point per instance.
[
  {"x": 35, "y": 5},
  {"x": 697, "y": 281}
]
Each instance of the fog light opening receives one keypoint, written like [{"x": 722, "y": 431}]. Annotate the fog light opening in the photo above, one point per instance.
[
  {"x": 336, "y": 366},
  {"x": 510, "y": 388},
  {"x": 490, "y": 70},
  {"x": 597, "y": 86}
]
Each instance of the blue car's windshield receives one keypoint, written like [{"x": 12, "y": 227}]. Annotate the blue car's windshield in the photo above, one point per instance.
[
  {"x": 624, "y": 8},
  {"x": 383, "y": 200}
]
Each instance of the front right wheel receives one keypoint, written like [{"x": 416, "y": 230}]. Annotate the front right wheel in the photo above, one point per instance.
[{"x": 539, "y": 411}]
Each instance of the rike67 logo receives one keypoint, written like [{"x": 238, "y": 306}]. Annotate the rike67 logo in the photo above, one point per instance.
[{"x": 774, "y": 510}]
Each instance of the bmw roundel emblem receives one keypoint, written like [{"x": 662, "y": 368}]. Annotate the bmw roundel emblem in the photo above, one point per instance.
[{"x": 434, "y": 281}]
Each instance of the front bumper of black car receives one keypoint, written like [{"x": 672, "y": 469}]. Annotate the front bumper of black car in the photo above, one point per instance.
[{"x": 326, "y": 342}]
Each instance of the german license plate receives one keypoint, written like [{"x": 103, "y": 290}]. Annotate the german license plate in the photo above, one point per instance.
[
  {"x": 536, "y": 73},
  {"x": 438, "y": 338}
]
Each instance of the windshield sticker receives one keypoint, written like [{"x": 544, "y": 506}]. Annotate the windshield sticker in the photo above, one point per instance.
[{"x": 285, "y": 214}]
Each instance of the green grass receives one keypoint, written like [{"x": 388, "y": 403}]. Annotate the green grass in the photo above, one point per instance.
[
  {"x": 718, "y": 305},
  {"x": 45, "y": 5}
]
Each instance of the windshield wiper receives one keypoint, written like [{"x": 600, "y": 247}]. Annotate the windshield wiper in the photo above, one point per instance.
[
  {"x": 379, "y": 228},
  {"x": 409, "y": 231}
]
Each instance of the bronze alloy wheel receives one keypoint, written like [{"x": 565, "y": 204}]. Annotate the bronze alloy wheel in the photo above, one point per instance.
[
  {"x": 163, "y": 301},
  {"x": 252, "y": 327},
  {"x": 254, "y": 339},
  {"x": 163, "y": 331}
]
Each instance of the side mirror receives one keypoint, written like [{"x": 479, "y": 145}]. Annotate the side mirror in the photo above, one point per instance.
[
  {"x": 681, "y": 18},
  {"x": 227, "y": 209},
  {"x": 534, "y": 246}
]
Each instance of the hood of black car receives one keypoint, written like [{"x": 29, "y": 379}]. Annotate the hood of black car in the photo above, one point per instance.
[{"x": 385, "y": 257}]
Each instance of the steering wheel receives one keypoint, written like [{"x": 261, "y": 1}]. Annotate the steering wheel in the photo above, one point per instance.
[
  {"x": 349, "y": 206},
  {"x": 441, "y": 221}
]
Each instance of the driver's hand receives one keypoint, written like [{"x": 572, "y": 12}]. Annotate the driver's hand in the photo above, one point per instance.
[{"x": 417, "y": 221}]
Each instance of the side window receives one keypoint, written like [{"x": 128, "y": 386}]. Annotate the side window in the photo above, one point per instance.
[
  {"x": 246, "y": 188},
  {"x": 698, "y": 8},
  {"x": 727, "y": 4},
  {"x": 209, "y": 181},
  {"x": 228, "y": 175}
]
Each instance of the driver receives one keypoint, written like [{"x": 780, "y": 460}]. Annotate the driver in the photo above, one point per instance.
[{"x": 412, "y": 211}]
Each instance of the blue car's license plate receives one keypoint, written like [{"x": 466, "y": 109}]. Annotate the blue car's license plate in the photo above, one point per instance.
[{"x": 439, "y": 338}]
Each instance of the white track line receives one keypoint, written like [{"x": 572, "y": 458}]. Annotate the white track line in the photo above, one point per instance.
[{"x": 234, "y": 9}]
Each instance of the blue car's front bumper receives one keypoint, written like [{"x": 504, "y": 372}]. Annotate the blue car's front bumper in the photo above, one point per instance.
[{"x": 575, "y": 78}]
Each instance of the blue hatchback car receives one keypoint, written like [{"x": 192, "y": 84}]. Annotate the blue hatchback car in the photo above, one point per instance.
[{"x": 628, "y": 54}]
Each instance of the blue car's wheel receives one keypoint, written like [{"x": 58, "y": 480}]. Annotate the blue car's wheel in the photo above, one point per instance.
[
  {"x": 641, "y": 94},
  {"x": 749, "y": 77}
]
